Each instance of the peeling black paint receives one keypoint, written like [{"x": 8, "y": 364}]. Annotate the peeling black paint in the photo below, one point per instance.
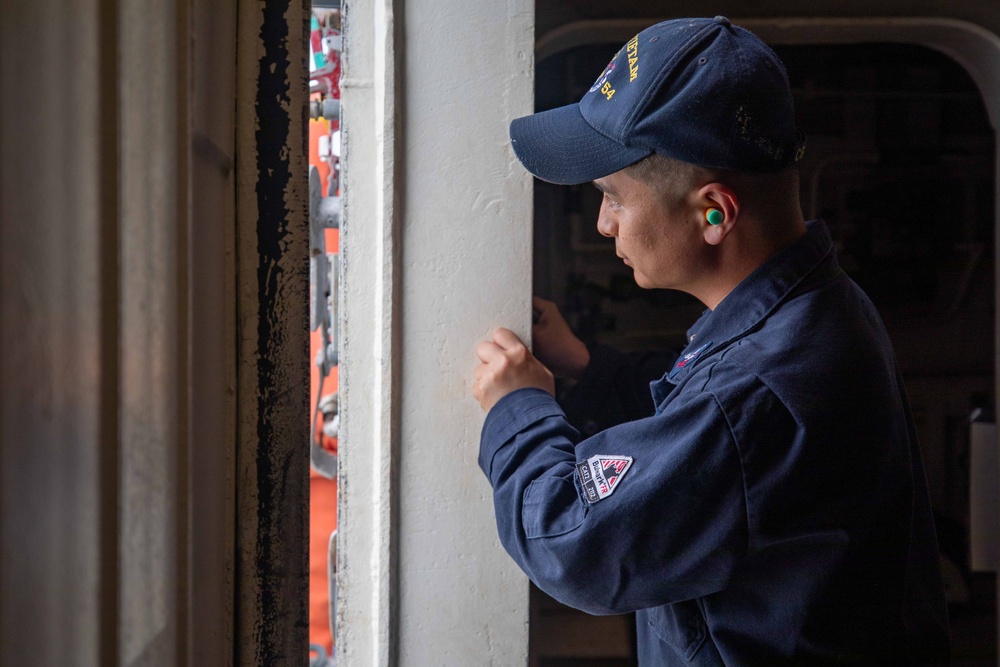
[{"x": 280, "y": 556}]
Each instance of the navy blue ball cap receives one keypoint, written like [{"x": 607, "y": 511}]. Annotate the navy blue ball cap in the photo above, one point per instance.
[
  {"x": 702, "y": 91},
  {"x": 560, "y": 146}
]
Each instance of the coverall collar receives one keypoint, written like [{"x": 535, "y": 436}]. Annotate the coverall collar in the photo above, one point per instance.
[{"x": 810, "y": 260}]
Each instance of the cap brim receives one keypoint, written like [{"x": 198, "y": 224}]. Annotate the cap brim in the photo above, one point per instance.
[{"x": 560, "y": 146}]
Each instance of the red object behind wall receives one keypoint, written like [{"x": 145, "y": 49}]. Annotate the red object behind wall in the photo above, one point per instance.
[
  {"x": 322, "y": 491},
  {"x": 322, "y": 522}
]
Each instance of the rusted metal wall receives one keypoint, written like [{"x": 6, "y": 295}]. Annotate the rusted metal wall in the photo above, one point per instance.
[
  {"x": 273, "y": 295},
  {"x": 120, "y": 528},
  {"x": 58, "y": 334},
  {"x": 151, "y": 353},
  {"x": 209, "y": 517}
]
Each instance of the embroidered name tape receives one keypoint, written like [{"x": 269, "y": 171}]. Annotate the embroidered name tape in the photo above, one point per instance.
[{"x": 601, "y": 474}]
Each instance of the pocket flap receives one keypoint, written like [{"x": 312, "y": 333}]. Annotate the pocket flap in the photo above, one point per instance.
[
  {"x": 551, "y": 507},
  {"x": 680, "y": 625}
]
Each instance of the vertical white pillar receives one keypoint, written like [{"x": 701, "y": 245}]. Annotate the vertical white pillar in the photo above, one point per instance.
[{"x": 436, "y": 246}]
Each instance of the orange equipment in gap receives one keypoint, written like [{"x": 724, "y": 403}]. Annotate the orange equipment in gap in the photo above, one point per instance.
[{"x": 324, "y": 269}]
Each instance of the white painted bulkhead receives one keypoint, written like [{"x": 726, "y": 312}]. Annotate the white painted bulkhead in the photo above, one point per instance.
[{"x": 436, "y": 247}]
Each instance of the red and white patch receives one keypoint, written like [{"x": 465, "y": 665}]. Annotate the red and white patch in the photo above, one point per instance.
[{"x": 601, "y": 474}]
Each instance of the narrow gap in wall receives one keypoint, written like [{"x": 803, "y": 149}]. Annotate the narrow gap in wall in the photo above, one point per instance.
[
  {"x": 900, "y": 164},
  {"x": 325, "y": 48}
]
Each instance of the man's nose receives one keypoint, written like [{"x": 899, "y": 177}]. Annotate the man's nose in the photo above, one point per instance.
[{"x": 606, "y": 224}]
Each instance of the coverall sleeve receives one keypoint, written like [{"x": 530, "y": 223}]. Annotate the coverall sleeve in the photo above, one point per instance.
[
  {"x": 673, "y": 528},
  {"x": 615, "y": 387}
]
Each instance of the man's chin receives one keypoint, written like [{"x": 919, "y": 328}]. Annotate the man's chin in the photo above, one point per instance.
[{"x": 641, "y": 280}]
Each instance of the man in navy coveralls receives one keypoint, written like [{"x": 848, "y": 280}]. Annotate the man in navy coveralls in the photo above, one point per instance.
[{"x": 773, "y": 510}]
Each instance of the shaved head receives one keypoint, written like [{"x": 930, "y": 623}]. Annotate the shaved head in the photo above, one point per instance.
[{"x": 765, "y": 195}]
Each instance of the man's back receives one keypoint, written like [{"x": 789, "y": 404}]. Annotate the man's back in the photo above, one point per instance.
[{"x": 841, "y": 558}]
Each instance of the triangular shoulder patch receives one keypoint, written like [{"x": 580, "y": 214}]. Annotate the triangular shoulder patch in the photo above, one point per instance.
[{"x": 600, "y": 475}]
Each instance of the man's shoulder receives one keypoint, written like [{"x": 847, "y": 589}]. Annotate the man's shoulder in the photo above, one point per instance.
[
  {"x": 813, "y": 350},
  {"x": 828, "y": 323}
]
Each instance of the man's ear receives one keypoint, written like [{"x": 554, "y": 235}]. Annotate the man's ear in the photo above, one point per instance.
[{"x": 717, "y": 225}]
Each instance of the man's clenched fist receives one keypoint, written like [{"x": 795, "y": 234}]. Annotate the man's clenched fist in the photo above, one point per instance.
[{"x": 507, "y": 365}]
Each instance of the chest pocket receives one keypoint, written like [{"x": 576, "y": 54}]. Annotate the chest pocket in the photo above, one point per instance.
[{"x": 680, "y": 625}]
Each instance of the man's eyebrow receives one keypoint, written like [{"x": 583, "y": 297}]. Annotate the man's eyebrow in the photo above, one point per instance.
[{"x": 603, "y": 188}]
